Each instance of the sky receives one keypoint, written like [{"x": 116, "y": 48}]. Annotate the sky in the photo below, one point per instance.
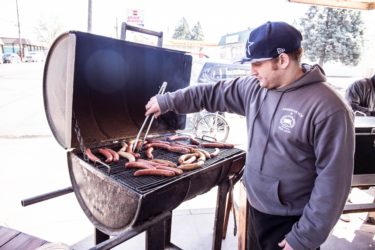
[{"x": 216, "y": 17}]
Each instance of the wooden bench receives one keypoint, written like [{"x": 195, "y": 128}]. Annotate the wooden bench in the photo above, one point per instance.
[{"x": 13, "y": 239}]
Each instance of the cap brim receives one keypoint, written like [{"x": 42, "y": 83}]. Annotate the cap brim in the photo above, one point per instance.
[{"x": 254, "y": 60}]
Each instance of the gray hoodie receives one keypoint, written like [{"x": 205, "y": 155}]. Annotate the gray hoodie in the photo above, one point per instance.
[{"x": 300, "y": 152}]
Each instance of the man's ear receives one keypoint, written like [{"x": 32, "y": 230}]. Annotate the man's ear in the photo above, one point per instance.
[{"x": 284, "y": 60}]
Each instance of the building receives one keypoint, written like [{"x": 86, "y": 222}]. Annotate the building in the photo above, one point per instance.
[
  {"x": 12, "y": 45},
  {"x": 232, "y": 46}
]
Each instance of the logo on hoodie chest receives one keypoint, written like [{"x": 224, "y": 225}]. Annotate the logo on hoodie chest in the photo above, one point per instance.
[{"x": 288, "y": 119}]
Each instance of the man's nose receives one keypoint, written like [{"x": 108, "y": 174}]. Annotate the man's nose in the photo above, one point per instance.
[{"x": 253, "y": 72}]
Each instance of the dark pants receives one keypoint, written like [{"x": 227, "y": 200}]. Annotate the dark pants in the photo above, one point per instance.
[{"x": 265, "y": 231}]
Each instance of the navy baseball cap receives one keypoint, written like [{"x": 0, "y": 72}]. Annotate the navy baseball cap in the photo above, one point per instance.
[{"x": 270, "y": 40}]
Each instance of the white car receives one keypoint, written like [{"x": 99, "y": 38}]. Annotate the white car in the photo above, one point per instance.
[{"x": 34, "y": 56}]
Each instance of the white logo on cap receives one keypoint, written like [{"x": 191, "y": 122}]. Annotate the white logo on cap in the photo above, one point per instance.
[
  {"x": 280, "y": 50},
  {"x": 248, "y": 47}
]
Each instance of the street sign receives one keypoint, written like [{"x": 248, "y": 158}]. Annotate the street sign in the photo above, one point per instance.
[{"x": 135, "y": 17}]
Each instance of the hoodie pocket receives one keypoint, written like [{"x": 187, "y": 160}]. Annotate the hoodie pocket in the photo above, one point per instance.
[{"x": 263, "y": 192}]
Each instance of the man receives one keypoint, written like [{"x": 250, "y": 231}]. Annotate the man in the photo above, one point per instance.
[
  {"x": 300, "y": 148},
  {"x": 361, "y": 96}
]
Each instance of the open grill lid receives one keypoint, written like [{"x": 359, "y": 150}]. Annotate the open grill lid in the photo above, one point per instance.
[{"x": 101, "y": 85}]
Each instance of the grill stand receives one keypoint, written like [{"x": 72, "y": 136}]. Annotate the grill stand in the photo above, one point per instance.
[{"x": 159, "y": 227}]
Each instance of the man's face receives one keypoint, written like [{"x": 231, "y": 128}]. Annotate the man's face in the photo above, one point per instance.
[{"x": 268, "y": 73}]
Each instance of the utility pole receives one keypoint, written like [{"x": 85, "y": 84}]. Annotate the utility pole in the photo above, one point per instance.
[
  {"x": 116, "y": 27},
  {"x": 89, "y": 20},
  {"x": 19, "y": 32}
]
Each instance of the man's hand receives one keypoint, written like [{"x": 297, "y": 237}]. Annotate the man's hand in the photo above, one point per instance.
[
  {"x": 284, "y": 245},
  {"x": 152, "y": 107}
]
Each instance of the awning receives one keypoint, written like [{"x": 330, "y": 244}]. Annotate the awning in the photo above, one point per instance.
[{"x": 350, "y": 4}]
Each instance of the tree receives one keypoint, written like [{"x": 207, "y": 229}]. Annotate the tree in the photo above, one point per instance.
[
  {"x": 332, "y": 35},
  {"x": 197, "y": 32},
  {"x": 182, "y": 30},
  {"x": 47, "y": 30}
]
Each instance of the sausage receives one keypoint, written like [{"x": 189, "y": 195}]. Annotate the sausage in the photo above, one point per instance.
[
  {"x": 91, "y": 156},
  {"x": 114, "y": 154},
  {"x": 106, "y": 154},
  {"x": 139, "y": 144},
  {"x": 130, "y": 146},
  {"x": 177, "y": 171},
  {"x": 191, "y": 166},
  {"x": 217, "y": 145},
  {"x": 149, "y": 153},
  {"x": 215, "y": 153},
  {"x": 177, "y": 143},
  {"x": 157, "y": 145},
  {"x": 126, "y": 155},
  {"x": 136, "y": 155},
  {"x": 124, "y": 146},
  {"x": 176, "y": 149},
  {"x": 187, "y": 158},
  {"x": 150, "y": 140},
  {"x": 154, "y": 171},
  {"x": 194, "y": 141},
  {"x": 178, "y": 138},
  {"x": 206, "y": 153},
  {"x": 168, "y": 163},
  {"x": 201, "y": 155},
  {"x": 138, "y": 164},
  {"x": 149, "y": 162}
]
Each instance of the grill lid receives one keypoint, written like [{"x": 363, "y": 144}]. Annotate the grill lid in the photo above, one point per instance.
[{"x": 101, "y": 86}]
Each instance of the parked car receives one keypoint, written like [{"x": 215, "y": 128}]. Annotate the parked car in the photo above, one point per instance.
[
  {"x": 205, "y": 125},
  {"x": 11, "y": 58},
  {"x": 210, "y": 71},
  {"x": 35, "y": 56}
]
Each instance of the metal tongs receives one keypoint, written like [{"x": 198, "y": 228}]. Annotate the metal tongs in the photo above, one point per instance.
[{"x": 161, "y": 91}]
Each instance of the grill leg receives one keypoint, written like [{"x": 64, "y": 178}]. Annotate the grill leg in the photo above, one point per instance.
[
  {"x": 155, "y": 233},
  {"x": 100, "y": 236},
  {"x": 222, "y": 192}
]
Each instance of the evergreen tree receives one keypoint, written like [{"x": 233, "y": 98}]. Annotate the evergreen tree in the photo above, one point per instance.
[
  {"x": 182, "y": 30},
  {"x": 197, "y": 32},
  {"x": 332, "y": 35}
]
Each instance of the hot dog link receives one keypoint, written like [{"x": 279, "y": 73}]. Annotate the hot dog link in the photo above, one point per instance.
[
  {"x": 130, "y": 146},
  {"x": 91, "y": 156},
  {"x": 138, "y": 164},
  {"x": 215, "y": 153},
  {"x": 191, "y": 166},
  {"x": 160, "y": 172},
  {"x": 168, "y": 163},
  {"x": 126, "y": 155},
  {"x": 106, "y": 154},
  {"x": 179, "y": 149},
  {"x": 185, "y": 157},
  {"x": 201, "y": 155},
  {"x": 124, "y": 146},
  {"x": 114, "y": 154},
  {"x": 175, "y": 170},
  {"x": 216, "y": 145},
  {"x": 194, "y": 141},
  {"x": 149, "y": 153}
]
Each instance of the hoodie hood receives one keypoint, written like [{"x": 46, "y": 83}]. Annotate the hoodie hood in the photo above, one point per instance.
[{"x": 313, "y": 74}]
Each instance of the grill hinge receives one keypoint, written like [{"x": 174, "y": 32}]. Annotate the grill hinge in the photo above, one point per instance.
[{"x": 79, "y": 138}]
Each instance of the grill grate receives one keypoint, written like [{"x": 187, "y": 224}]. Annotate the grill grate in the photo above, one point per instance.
[{"x": 143, "y": 184}]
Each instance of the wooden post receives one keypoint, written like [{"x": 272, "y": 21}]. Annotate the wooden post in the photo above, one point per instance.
[{"x": 242, "y": 218}]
